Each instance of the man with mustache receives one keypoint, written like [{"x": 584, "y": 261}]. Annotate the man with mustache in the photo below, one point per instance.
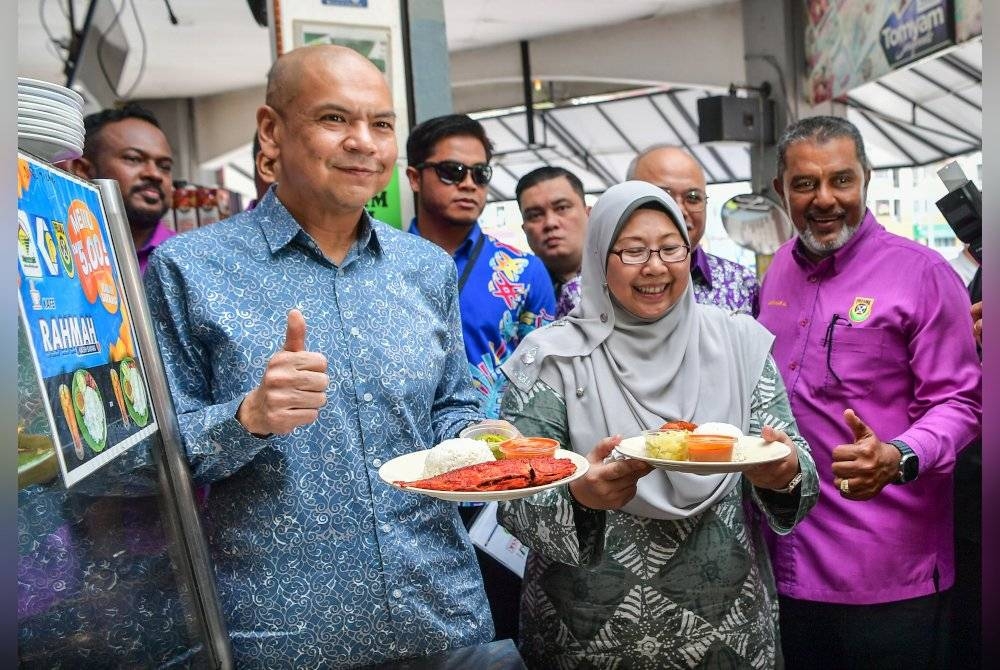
[
  {"x": 320, "y": 563},
  {"x": 874, "y": 342},
  {"x": 127, "y": 145}
]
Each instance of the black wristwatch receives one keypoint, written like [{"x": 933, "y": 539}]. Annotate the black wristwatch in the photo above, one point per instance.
[{"x": 909, "y": 464}]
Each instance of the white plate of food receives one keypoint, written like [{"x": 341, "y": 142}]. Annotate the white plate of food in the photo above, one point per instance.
[
  {"x": 406, "y": 473},
  {"x": 749, "y": 451}
]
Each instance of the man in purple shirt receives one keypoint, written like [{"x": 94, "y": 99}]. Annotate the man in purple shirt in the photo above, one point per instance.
[
  {"x": 716, "y": 281},
  {"x": 874, "y": 342},
  {"x": 127, "y": 145}
]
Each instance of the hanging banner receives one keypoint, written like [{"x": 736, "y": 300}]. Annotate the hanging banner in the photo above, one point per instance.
[
  {"x": 80, "y": 331},
  {"x": 850, "y": 43}
]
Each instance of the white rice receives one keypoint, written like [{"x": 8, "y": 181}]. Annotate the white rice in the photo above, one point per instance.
[
  {"x": 456, "y": 453},
  {"x": 138, "y": 390},
  {"x": 93, "y": 414}
]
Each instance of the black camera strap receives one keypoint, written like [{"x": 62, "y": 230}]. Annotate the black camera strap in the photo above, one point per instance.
[
  {"x": 976, "y": 286},
  {"x": 469, "y": 264}
]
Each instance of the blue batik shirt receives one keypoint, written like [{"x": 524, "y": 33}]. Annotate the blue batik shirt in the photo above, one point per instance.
[
  {"x": 318, "y": 562},
  {"x": 507, "y": 294}
]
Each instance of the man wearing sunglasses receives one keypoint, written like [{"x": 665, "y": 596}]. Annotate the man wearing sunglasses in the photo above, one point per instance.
[
  {"x": 504, "y": 293},
  {"x": 716, "y": 281}
]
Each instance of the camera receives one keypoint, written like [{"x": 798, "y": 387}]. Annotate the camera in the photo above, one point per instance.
[{"x": 962, "y": 208}]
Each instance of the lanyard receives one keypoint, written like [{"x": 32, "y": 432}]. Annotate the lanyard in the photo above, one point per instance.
[{"x": 473, "y": 255}]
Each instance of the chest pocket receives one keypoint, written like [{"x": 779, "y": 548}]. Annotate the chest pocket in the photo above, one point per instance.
[{"x": 852, "y": 362}]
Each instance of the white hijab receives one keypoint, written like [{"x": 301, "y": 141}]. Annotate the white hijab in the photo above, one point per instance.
[{"x": 620, "y": 374}]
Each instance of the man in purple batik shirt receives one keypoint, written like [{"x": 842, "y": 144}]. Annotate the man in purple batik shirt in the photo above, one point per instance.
[
  {"x": 874, "y": 342},
  {"x": 127, "y": 145},
  {"x": 716, "y": 281}
]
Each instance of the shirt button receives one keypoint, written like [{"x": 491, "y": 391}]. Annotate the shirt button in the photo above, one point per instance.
[
  {"x": 367, "y": 397},
  {"x": 813, "y": 279},
  {"x": 397, "y": 594},
  {"x": 793, "y": 365},
  {"x": 804, "y": 322},
  {"x": 355, "y": 332},
  {"x": 377, "y": 462},
  {"x": 386, "y": 528}
]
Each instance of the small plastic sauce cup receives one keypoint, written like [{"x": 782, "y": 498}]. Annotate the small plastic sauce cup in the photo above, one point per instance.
[
  {"x": 491, "y": 433},
  {"x": 529, "y": 447},
  {"x": 710, "y": 448}
]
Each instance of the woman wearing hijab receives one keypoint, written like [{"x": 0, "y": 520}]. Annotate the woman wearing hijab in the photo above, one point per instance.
[{"x": 632, "y": 567}]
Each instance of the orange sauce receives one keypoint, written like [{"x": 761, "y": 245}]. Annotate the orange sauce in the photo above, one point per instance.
[
  {"x": 528, "y": 447},
  {"x": 714, "y": 448}
]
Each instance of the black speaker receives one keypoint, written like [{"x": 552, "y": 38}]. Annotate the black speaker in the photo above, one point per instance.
[{"x": 728, "y": 118}]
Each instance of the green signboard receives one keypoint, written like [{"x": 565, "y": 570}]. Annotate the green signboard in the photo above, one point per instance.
[{"x": 385, "y": 205}]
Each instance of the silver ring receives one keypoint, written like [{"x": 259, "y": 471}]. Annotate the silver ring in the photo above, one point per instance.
[{"x": 845, "y": 487}]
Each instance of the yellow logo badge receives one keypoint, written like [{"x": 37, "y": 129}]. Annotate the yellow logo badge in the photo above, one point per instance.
[
  {"x": 861, "y": 309},
  {"x": 65, "y": 254}
]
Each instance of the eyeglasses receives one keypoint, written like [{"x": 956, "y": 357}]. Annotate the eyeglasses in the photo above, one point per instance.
[
  {"x": 640, "y": 255},
  {"x": 453, "y": 172},
  {"x": 692, "y": 200}
]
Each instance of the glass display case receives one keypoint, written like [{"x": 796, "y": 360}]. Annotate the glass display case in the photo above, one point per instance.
[{"x": 113, "y": 569}]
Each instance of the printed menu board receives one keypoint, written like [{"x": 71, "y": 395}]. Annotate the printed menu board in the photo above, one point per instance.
[{"x": 75, "y": 310}]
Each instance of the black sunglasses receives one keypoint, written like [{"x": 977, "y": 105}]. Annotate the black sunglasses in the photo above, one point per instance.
[{"x": 453, "y": 172}]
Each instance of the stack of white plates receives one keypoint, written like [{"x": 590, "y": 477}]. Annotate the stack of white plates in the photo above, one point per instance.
[{"x": 49, "y": 120}]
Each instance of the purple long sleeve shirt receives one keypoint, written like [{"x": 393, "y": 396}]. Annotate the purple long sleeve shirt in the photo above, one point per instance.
[
  {"x": 900, "y": 353},
  {"x": 161, "y": 234}
]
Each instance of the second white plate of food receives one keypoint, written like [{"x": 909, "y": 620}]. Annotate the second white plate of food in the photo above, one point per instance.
[
  {"x": 749, "y": 451},
  {"x": 410, "y": 467}
]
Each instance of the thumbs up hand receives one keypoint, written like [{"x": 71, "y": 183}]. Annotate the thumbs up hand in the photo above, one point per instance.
[
  {"x": 295, "y": 331},
  {"x": 293, "y": 387},
  {"x": 867, "y": 464},
  {"x": 857, "y": 426}
]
